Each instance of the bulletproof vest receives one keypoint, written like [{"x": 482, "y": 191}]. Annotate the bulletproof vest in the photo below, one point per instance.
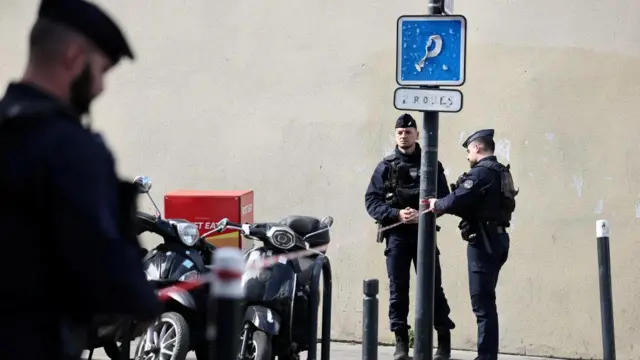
[
  {"x": 403, "y": 185},
  {"x": 507, "y": 189}
]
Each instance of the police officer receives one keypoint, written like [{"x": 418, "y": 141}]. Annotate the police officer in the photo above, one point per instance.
[
  {"x": 66, "y": 219},
  {"x": 393, "y": 196},
  {"x": 484, "y": 198}
]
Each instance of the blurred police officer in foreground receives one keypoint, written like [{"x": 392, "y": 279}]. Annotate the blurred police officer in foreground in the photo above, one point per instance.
[
  {"x": 66, "y": 219},
  {"x": 484, "y": 198},
  {"x": 393, "y": 196}
]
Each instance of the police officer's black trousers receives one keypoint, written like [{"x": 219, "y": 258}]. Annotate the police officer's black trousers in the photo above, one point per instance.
[
  {"x": 401, "y": 250},
  {"x": 484, "y": 269}
]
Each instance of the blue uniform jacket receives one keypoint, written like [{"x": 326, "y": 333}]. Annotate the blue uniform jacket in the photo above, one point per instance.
[
  {"x": 64, "y": 253},
  {"x": 474, "y": 186}
]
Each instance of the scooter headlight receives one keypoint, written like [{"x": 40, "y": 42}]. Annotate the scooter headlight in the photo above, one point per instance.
[
  {"x": 191, "y": 275},
  {"x": 283, "y": 239},
  {"x": 188, "y": 233}
]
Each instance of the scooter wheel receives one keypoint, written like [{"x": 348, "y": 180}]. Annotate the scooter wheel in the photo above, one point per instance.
[
  {"x": 170, "y": 341},
  {"x": 262, "y": 349}
]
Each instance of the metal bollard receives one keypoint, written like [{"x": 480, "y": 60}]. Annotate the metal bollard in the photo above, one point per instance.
[
  {"x": 370, "y": 320},
  {"x": 227, "y": 293},
  {"x": 606, "y": 300}
]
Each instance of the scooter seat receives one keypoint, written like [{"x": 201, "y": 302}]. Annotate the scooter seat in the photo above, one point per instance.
[
  {"x": 312, "y": 229},
  {"x": 302, "y": 225}
]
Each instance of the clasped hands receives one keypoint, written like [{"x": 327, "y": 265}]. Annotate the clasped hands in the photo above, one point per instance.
[{"x": 410, "y": 216}]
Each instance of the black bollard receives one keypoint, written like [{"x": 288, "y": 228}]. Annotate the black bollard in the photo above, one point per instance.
[
  {"x": 606, "y": 300},
  {"x": 227, "y": 290},
  {"x": 370, "y": 320}
]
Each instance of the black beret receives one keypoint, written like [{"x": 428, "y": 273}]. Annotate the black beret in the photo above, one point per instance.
[
  {"x": 89, "y": 20},
  {"x": 486, "y": 133},
  {"x": 406, "y": 121}
]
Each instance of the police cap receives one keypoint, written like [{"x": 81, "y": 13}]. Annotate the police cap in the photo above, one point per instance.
[
  {"x": 89, "y": 20},
  {"x": 486, "y": 133},
  {"x": 406, "y": 121}
]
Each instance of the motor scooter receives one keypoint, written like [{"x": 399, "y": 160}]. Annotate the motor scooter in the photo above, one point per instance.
[
  {"x": 282, "y": 300},
  {"x": 182, "y": 256}
]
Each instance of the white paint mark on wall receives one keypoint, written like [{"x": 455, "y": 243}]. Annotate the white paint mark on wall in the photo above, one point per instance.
[
  {"x": 599, "y": 207},
  {"x": 578, "y": 181},
  {"x": 503, "y": 148},
  {"x": 447, "y": 172},
  {"x": 531, "y": 175},
  {"x": 550, "y": 136},
  {"x": 389, "y": 149},
  {"x": 638, "y": 209}
]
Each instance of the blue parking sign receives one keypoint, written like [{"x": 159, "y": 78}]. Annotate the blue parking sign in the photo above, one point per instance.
[{"x": 431, "y": 50}]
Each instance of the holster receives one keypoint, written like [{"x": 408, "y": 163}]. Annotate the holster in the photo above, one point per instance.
[
  {"x": 466, "y": 231},
  {"x": 380, "y": 234},
  {"x": 485, "y": 239},
  {"x": 474, "y": 232}
]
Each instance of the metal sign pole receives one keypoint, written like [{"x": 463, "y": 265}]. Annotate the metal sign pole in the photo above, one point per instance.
[
  {"x": 423, "y": 332},
  {"x": 430, "y": 53}
]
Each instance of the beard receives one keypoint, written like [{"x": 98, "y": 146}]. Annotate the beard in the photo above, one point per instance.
[
  {"x": 472, "y": 163},
  {"x": 406, "y": 145},
  {"x": 80, "y": 96}
]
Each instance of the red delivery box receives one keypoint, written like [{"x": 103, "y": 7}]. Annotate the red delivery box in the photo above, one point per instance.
[{"x": 205, "y": 208}]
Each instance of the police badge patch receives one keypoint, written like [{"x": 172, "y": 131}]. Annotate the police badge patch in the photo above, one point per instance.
[
  {"x": 467, "y": 184},
  {"x": 413, "y": 172}
]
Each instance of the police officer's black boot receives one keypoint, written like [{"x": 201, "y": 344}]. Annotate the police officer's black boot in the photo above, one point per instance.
[
  {"x": 402, "y": 344},
  {"x": 444, "y": 345}
]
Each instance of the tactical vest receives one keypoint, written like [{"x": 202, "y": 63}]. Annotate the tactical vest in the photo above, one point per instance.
[
  {"x": 403, "y": 184},
  {"x": 507, "y": 190}
]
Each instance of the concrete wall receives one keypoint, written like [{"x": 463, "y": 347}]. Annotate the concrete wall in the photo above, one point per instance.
[{"x": 294, "y": 100}]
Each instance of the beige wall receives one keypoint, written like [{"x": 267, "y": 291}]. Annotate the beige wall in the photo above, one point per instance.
[{"x": 298, "y": 107}]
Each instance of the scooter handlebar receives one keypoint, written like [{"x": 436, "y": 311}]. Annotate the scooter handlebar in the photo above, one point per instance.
[{"x": 246, "y": 229}]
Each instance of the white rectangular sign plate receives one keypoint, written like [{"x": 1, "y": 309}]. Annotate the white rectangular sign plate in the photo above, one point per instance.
[{"x": 420, "y": 99}]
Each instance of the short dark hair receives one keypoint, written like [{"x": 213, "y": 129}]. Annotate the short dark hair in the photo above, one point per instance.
[
  {"x": 486, "y": 143},
  {"x": 48, "y": 39}
]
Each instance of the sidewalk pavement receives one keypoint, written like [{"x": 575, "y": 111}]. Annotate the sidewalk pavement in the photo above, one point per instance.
[{"x": 349, "y": 351}]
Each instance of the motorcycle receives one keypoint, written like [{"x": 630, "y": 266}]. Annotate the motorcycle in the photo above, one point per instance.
[
  {"x": 182, "y": 256},
  {"x": 281, "y": 301}
]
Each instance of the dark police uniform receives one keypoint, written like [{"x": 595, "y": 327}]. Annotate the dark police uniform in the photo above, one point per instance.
[
  {"x": 66, "y": 219},
  {"x": 395, "y": 185},
  {"x": 484, "y": 198}
]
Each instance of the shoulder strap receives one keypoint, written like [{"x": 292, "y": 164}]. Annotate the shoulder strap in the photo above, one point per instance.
[
  {"x": 29, "y": 110},
  {"x": 492, "y": 165},
  {"x": 392, "y": 160}
]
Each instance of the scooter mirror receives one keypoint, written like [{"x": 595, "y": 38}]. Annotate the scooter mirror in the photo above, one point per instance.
[
  {"x": 327, "y": 221},
  {"x": 222, "y": 225},
  {"x": 143, "y": 184}
]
